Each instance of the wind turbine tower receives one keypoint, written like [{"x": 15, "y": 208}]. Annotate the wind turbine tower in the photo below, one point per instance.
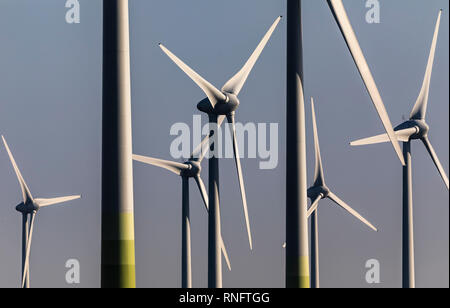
[
  {"x": 118, "y": 249},
  {"x": 297, "y": 250}
]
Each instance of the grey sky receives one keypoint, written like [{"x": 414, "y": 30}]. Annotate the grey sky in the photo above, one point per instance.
[{"x": 50, "y": 113}]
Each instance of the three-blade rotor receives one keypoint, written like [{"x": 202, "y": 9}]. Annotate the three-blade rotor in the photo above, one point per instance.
[
  {"x": 340, "y": 14},
  {"x": 30, "y": 207},
  {"x": 319, "y": 190},
  {"x": 416, "y": 127},
  {"x": 215, "y": 96}
]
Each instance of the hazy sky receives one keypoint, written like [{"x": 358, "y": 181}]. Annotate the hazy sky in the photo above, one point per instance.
[{"x": 50, "y": 113}]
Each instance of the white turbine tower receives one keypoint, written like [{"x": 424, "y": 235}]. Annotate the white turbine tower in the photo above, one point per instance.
[
  {"x": 188, "y": 170},
  {"x": 29, "y": 208},
  {"x": 218, "y": 105},
  {"x": 416, "y": 128},
  {"x": 317, "y": 192}
]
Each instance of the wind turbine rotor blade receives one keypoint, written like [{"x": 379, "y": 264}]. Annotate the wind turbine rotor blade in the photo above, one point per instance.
[
  {"x": 213, "y": 94},
  {"x": 340, "y": 14},
  {"x": 402, "y": 135},
  {"x": 235, "y": 84},
  {"x": 27, "y": 255},
  {"x": 200, "y": 151},
  {"x": 436, "y": 160},
  {"x": 26, "y": 194},
  {"x": 203, "y": 192},
  {"x": 225, "y": 254},
  {"x": 346, "y": 207},
  {"x": 314, "y": 205},
  {"x": 319, "y": 179},
  {"x": 231, "y": 120},
  {"x": 420, "y": 108},
  {"x": 53, "y": 201},
  {"x": 174, "y": 167}
]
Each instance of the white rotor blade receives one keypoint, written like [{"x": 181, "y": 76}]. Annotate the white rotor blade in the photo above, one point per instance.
[
  {"x": 174, "y": 167},
  {"x": 201, "y": 150},
  {"x": 341, "y": 17},
  {"x": 314, "y": 205},
  {"x": 319, "y": 179},
  {"x": 27, "y": 255},
  {"x": 53, "y": 201},
  {"x": 241, "y": 179},
  {"x": 203, "y": 192},
  {"x": 346, "y": 207},
  {"x": 26, "y": 194},
  {"x": 225, "y": 254},
  {"x": 211, "y": 92},
  {"x": 235, "y": 84},
  {"x": 402, "y": 135},
  {"x": 436, "y": 160},
  {"x": 420, "y": 108}
]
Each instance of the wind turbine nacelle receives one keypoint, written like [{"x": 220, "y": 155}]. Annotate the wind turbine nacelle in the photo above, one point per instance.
[
  {"x": 205, "y": 106},
  {"x": 27, "y": 208},
  {"x": 194, "y": 170},
  {"x": 225, "y": 107},
  {"x": 229, "y": 106},
  {"x": 421, "y": 127},
  {"x": 316, "y": 191}
]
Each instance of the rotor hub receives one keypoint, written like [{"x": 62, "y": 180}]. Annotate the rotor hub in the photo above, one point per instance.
[
  {"x": 225, "y": 107},
  {"x": 421, "y": 127},
  {"x": 316, "y": 191},
  {"x": 194, "y": 169}
]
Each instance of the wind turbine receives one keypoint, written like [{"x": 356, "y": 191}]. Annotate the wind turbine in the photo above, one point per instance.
[
  {"x": 29, "y": 208},
  {"x": 218, "y": 105},
  {"x": 416, "y": 128},
  {"x": 340, "y": 14},
  {"x": 188, "y": 170},
  {"x": 317, "y": 192},
  {"x": 118, "y": 264}
]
